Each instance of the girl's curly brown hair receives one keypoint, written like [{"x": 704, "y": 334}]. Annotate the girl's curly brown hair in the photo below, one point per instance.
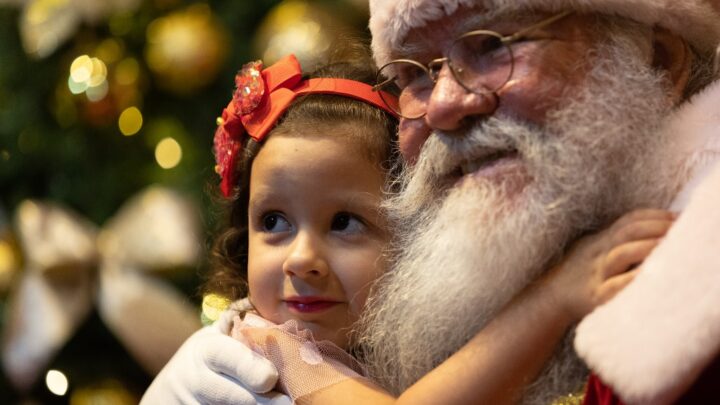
[{"x": 373, "y": 130}]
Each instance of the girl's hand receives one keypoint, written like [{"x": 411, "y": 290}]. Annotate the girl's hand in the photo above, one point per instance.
[{"x": 598, "y": 266}]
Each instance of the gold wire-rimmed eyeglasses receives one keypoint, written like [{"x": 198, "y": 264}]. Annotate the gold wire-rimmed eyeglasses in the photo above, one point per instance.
[{"x": 481, "y": 61}]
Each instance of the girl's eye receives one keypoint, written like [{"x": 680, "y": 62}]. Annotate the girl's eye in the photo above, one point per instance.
[
  {"x": 275, "y": 222},
  {"x": 348, "y": 223}
]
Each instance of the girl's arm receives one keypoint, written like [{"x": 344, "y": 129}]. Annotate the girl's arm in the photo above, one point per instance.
[
  {"x": 491, "y": 368},
  {"x": 506, "y": 355}
]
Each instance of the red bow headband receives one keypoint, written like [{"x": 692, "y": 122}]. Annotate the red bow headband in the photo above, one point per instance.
[{"x": 262, "y": 96}]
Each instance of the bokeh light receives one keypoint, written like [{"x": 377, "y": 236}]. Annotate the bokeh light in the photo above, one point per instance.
[
  {"x": 81, "y": 69},
  {"x": 168, "y": 153},
  {"x": 213, "y": 305},
  {"x": 98, "y": 73},
  {"x": 8, "y": 263},
  {"x": 88, "y": 75},
  {"x": 127, "y": 71},
  {"x": 76, "y": 87},
  {"x": 98, "y": 92},
  {"x": 110, "y": 50},
  {"x": 56, "y": 382},
  {"x": 130, "y": 121}
]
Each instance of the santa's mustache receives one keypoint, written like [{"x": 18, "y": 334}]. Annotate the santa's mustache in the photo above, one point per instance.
[
  {"x": 549, "y": 156},
  {"x": 445, "y": 153}
]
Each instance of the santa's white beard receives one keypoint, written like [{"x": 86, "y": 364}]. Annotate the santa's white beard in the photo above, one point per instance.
[{"x": 464, "y": 251}]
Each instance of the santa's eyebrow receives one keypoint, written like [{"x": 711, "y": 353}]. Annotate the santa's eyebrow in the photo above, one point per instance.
[{"x": 409, "y": 50}]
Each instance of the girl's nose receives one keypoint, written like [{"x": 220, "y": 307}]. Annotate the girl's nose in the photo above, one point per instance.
[{"x": 306, "y": 257}]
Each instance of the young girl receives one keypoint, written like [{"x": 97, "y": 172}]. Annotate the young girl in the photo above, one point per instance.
[{"x": 306, "y": 162}]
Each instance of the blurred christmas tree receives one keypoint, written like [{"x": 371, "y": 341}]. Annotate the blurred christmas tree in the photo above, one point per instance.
[
  {"x": 70, "y": 147},
  {"x": 99, "y": 100}
]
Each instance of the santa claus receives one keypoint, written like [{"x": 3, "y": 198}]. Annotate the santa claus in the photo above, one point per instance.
[{"x": 611, "y": 108}]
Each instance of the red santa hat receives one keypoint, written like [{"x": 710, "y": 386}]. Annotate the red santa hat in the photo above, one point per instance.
[{"x": 698, "y": 21}]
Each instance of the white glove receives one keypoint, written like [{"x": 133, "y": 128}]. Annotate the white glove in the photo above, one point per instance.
[{"x": 213, "y": 368}]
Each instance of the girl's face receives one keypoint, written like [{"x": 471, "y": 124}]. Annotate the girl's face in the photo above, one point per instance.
[{"x": 315, "y": 232}]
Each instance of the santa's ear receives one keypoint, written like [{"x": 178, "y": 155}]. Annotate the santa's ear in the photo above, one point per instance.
[{"x": 673, "y": 56}]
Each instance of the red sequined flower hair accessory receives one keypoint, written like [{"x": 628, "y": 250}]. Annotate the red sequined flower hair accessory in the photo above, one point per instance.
[{"x": 261, "y": 97}]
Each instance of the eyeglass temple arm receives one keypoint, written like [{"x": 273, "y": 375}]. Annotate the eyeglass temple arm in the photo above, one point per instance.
[
  {"x": 390, "y": 79},
  {"x": 378, "y": 86},
  {"x": 541, "y": 24}
]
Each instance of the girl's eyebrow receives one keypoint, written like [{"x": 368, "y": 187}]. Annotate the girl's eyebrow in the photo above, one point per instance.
[
  {"x": 365, "y": 202},
  {"x": 262, "y": 198},
  {"x": 352, "y": 200}
]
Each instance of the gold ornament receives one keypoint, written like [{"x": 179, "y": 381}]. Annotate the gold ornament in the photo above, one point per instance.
[
  {"x": 298, "y": 27},
  {"x": 570, "y": 399},
  {"x": 186, "y": 49},
  {"x": 9, "y": 262},
  {"x": 108, "y": 392},
  {"x": 9, "y": 255}
]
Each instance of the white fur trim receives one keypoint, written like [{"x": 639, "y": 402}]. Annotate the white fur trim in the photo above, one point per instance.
[
  {"x": 696, "y": 20},
  {"x": 696, "y": 130},
  {"x": 651, "y": 342}
]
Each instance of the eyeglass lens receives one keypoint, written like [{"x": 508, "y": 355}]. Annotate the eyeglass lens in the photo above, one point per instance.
[{"x": 480, "y": 62}]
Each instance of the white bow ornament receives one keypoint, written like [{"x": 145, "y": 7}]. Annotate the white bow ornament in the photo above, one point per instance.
[{"x": 69, "y": 265}]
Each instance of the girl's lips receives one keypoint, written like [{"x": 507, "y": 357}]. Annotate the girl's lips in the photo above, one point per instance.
[{"x": 309, "y": 305}]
